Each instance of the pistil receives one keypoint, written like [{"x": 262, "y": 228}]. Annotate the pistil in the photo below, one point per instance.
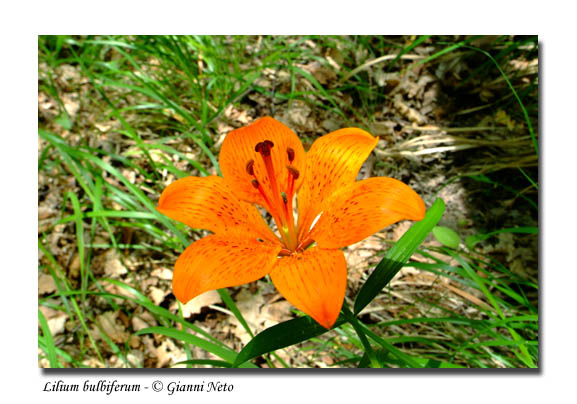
[{"x": 293, "y": 174}]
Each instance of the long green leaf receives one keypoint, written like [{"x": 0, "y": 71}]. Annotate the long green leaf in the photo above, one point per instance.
[
  {"x": 282, "y": 335},
  {"x": 79, "y": 242},
  {"x": 50, "y": 348},
  {"x": 369, "y": 353},
  {"x": 398, "y": 255}
]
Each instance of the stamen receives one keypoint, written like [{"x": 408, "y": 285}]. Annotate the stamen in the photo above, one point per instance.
[
  {"x": 291, "y": 154},
  {"x": 257, "y": 185},
  {"x": 304, "y": 244},
  {"x": 250, "y": 167},
  {"x": 293, "y": 171},
  {"x": 285, "y": 253},
  {"x": 264, "y": 148},
  {"x": 280, "y": 199},
  {"x": 292, "y": 177}
]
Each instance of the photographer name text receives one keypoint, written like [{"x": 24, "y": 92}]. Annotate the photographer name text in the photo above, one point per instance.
[{"x": 113, "y": 386}]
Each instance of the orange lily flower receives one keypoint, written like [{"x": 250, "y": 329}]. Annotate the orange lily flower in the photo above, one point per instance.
[{"x": 265, "y": 164}]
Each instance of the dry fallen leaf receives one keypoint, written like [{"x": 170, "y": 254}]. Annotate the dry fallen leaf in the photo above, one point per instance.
[
  {"x": 117, "y": 290},
  {"x": 168, "y": 353},
  {"x": 46, "y": 284},
  {"x": 410, "y": 113},
  {"x": 74, "y": 268},
  {"x": 114, "y": 329},
  {"x": 57, "y": 324},
  {"x": 93, "y": 363},
  {"x": 257, "y": 313},
  {"x": 299, "y": 116},
  {"x": 47, "y": 106},
  {"x": 138, "y": 323},
  {"x": 275, "y": 313},
  {"x": 56, "y": 319},
  {"x": 156, "y": 295},
  {"x": 44, "y": 212},
  {"x": 71, "y": 104},
  {"x": 195, "y": 305},
  {"x": 234, "y": 114},
  {"x": 249, "y": 305},
  {"x": 113, "y": 266},
  {"x": 361, "y": 256},
  {"x": 162, "y": 273}
]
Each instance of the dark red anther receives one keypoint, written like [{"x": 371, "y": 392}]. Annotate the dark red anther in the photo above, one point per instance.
[
  {"x": 255, "y": 183},
  {"x": 264, "y": 148},
  {"x": 293, "y": 171},
  {"x": 291, "y": 154},
  {"x": 250, "y": 167},
  {"x": 285, "y": 252}
]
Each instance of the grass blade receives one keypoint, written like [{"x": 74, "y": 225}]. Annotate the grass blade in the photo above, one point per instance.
[{"x": 50, "y": 349}]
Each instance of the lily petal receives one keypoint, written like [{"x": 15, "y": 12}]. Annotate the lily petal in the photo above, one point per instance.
[
  {"x": 218, "y": 261},
  {"x": 314, "y": 282},
  {"x": 208, "y": 203},
  {"x": 238, "y": 149},
  {"x": 363, "y": 208},
  {"x": 332, "y": 162}
]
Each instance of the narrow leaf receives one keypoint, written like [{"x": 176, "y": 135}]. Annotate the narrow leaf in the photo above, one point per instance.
[
  {"x": 446, "y": 236},
  {"x": 50, "y": 348},
  {"x": 234, "y": 309},
  {"x": 282, "y": 335}
]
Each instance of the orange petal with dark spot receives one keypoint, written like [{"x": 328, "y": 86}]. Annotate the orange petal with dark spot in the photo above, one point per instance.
[
  {"x": 333, "y": 162},
  {"x": 238, "y": 149},
  {"x": 218, "y": 261},
  {"x": 314, "y": 281},
  {"x": 208, "y": 203},
  {"x": 363, "y": 208}
]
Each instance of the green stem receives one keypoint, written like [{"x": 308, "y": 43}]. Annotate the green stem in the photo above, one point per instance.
[{"x": 364, "y": 340}]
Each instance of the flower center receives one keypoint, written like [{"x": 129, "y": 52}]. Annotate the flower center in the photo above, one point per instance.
[{"x": 277, "y": 194}]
